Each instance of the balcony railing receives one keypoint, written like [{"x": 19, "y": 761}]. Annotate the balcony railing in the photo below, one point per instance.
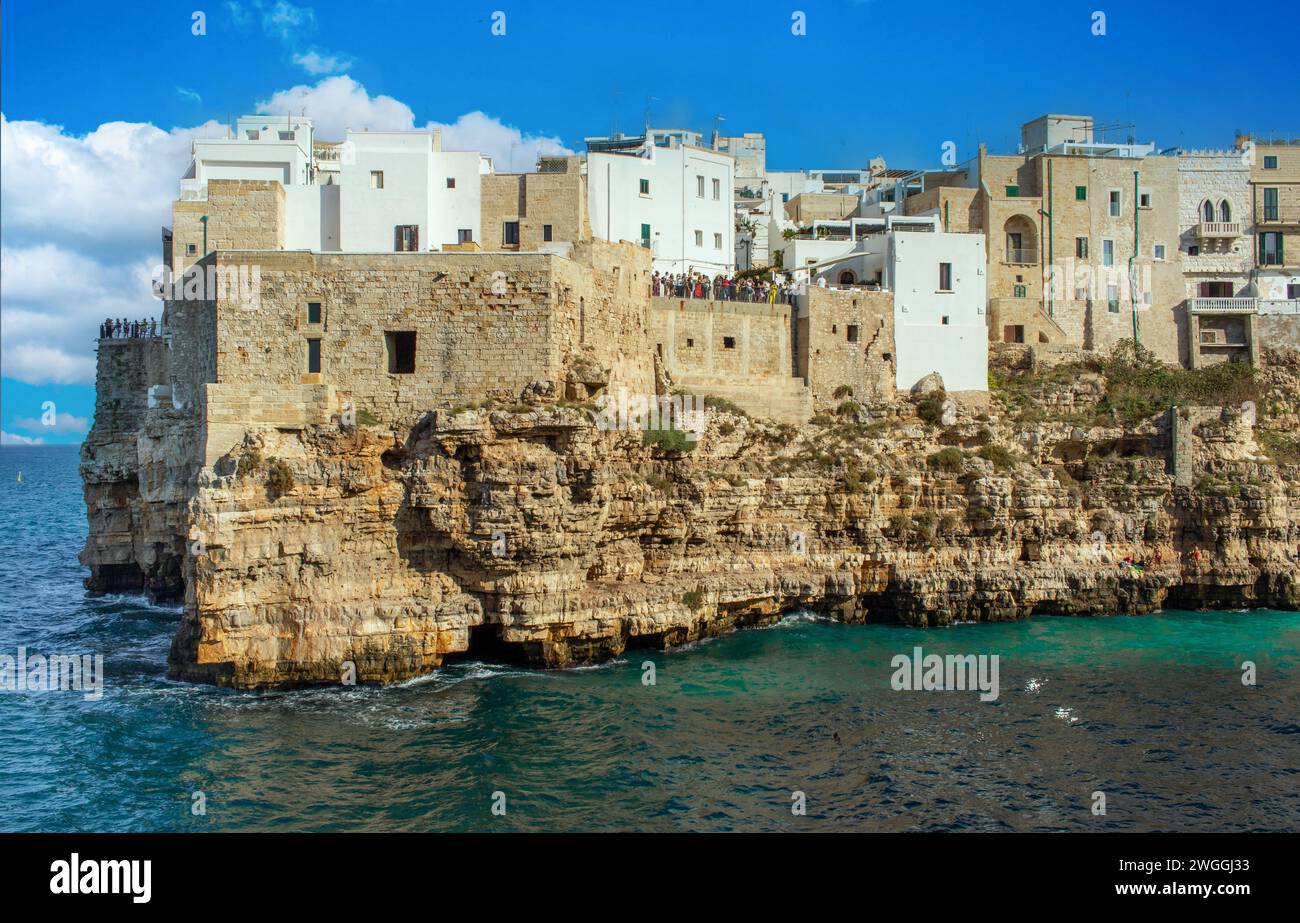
[
  {"x": 1211, "y": 230},
  {"x": 1223, "y": 305},
  {"x": 1022, "y": 255}
]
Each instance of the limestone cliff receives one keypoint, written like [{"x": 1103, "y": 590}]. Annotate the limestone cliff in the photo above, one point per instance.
[{"x": 527, "y": 533}]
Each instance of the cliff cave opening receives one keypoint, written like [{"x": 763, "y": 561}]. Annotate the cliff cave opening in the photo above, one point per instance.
[{"x": 486, "y": 646}]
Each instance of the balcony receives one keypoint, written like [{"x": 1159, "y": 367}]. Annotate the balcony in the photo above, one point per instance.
[
  {"x": 1217, "y": 230},
  {"x": 1222, "y": 305}
]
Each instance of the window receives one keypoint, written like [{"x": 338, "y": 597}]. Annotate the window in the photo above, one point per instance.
[
  {"x": 451, "y": 182},
  {"x": 1112, "y": 299},
  {"x": 1013, "y": 333},
  {"x": 401, "y": 351},
  {"x": 1270, "y": 161},
  {"x": 944, "y": 320},
  {"x": 1193, "y": 250},
  {"x": 1158, "y": 251},
  {"x": 1144, "y": 200},
  {"x": 699, "y": 187},
  {"x": 286, "y": 136},
  {"x": 1270, "y": 248},
  {"x": 699, "y": 238},
  {"x": 1013, "y": 192},
  {"x": 313, "y": 357},
  {"x": 645, "y": 234},
  {"x": 852, "y": 330},
  {"x": 728, "y": 342},
  {"x": 1225, "y": 211},
  {"x": 1270, "y": 204},
  {"x": 1080, "y": 193},
  {"x": 191, "y": 249},
  {"x": 1207, "y": 211},
  {"x": 645, "y": 187},
  {"x": 717, "y": 241},
  {"x": 464, "y": 235},
  {"x": 313, "y": 312},
  {"x": 376, "y": 179},
  {"x": 689, "y": 342},
  {"x": 1081, "y": 248},
  {"x": 253, "y": 134},
  {"x": 785, "y": 197},
  {"x": 406, "y": 238},
  {"x": 510, "y": 234},
  {"x": 717, "y": 189},
  {"x": 1292, "y": 291},
  {"x": 546, "y": 232},
  {"x": 1116, "y": 202},
  {"x": 1018, "y": 291},
  {"x": 1108, "y": 253},
  {"x": 945, "y": 277}
]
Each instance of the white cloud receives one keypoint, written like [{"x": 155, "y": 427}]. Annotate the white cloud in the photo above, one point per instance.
[
  {"x": 15, "y": 439},
  {"x": 338, "y": 103},
  {"x": 188, "y": 94},
  {"x": 313, "y": 62},
  {"x": 510, "y": 149},
  {"x": 284, "y": 20},
  {"x": 63, "y": 423}
]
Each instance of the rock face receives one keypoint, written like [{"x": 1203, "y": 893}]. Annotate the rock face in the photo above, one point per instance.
[{"x": 529, "y": 534}]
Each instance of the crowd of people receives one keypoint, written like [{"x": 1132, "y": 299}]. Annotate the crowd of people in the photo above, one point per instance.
[
  {"x": 122, "y": 329},
  {"x": 720, "y": 288}
]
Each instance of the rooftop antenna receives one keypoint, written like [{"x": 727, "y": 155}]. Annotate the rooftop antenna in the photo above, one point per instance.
[
  {"x": 718, "y": 117},
  {"x": 648, "y": 100}
]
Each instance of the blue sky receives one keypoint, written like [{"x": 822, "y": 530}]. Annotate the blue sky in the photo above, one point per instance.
[{"x": 83, "y": 196}]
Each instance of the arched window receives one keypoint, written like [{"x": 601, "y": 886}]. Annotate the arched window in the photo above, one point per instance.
[
  {"x": 847, "y": 277},
  {"x": 1207, "y": 211},
  {"x": 1225, "y": 211}
]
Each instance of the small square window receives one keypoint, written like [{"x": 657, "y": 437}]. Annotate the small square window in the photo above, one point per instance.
[
  {"x": 1144, "y": 200},
  {"x": 464, "y": 235},
  {"x": 944, "y": 320},
  {"x": 690, "y": 342},
  {"x": 253, "y": 134},
  {"x": 286, "y": 136},
  {"x": 191, "y": 249},
  {"x": 852, "y": 330},
  {"x": 510, "y": 234},
  {"x": 1081, "y": 193},
  {"x": 1270, "y": 161},
  {"x": 546, "y": 232},
  {"x": 313, "y": 312},
  {"x": 645, "y": 187},
  {"x": 1193, "y": 250},
  {"x": 376, "y": 179},
  {"x": 1159, "y": 251},
  {"x": 1013, "y": 192},
  {"x": 451, "y": 182},
  {"x": 728, "y": 342}
]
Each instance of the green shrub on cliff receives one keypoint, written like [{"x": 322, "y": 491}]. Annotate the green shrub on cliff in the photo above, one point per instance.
[
  {"x": 930, "y": 408},
  {"x": 722, "y": 405},
  {"x": 843, "y": 391},
  {"x": 950, "y": 460},
  {"x": 849, "y": 409},
  {"x": 249, "y": 461},
  {"x": 668, "y": 440},
  {"x": 1003, "y": 458},
  {"x": 1140, "y": 386},
  {"x": 279, "y": 478},
  {"x": 693, "y": 598}
]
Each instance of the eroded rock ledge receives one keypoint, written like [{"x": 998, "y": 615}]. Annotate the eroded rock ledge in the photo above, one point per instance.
[{"x": 527, "y": 533}]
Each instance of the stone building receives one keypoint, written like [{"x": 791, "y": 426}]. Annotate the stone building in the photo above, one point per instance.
[{"x": 1082, "y": 238}]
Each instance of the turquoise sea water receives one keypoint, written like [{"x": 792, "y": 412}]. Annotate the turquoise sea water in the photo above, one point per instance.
[{"x": 1149, "y": 710}]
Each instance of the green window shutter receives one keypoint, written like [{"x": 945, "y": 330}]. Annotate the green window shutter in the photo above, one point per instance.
[
  {"x": 1081, "y": 193},
  {"x": 1281, "y": 258},
  {"x": 1013, "y": 192}
]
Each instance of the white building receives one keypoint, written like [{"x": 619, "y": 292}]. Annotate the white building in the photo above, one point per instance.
[
  {"x": 375, "y": 191},
  {"x": 666, "y": 193},
  {"x": 940, "y": 290}
]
